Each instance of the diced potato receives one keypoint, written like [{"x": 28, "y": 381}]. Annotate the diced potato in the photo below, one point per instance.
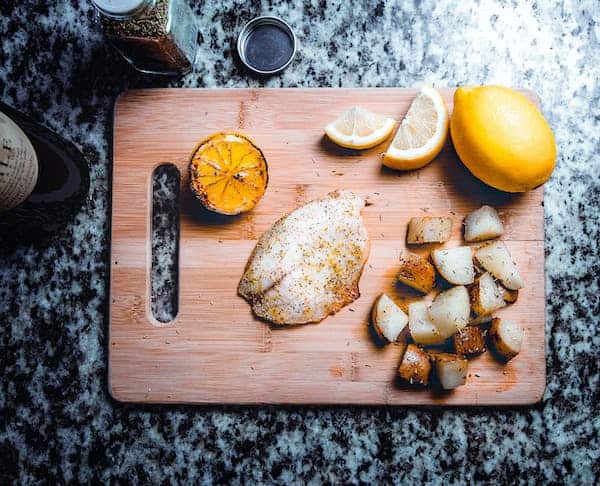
[
  {"x": 450, "y": 311},
  {"x": 486, "y": 295},
  {"x": 451, "y": 370},
  {"x": 455, "y": 264},
  {"x": 415, "y": 366},
  {"x": 388, "y": 319},
  {"x": 421, "y": 329},
  {"x": 428, "y": 229},
  {"x": 509, "y": 296},
  {"x": 477, "y": 321},
  {"x": 469, "y": 341},
  {"x": 483, "y": 224},
  {"x": 495, "y": 258},
  {"x": 416, "y": 272},
  {"x": 506, "y": 337}
]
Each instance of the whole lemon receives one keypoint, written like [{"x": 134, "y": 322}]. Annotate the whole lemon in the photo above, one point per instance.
[{"x": 502, "y": 138}]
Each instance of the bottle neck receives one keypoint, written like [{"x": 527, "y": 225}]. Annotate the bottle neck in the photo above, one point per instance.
[{"x": 123, "y": 9}]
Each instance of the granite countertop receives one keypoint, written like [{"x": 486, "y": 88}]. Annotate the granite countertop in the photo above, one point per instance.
[{"x": 57, "y": 420}]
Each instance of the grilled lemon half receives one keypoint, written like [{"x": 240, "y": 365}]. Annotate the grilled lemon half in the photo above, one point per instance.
[{"x": 228, "y": 173}]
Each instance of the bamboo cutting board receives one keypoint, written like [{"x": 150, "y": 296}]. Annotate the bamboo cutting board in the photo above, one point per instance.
[{"x": 215, "y": 351}]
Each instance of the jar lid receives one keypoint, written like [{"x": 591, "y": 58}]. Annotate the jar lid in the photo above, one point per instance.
[
  {"x": 121, "y": 8},
  {"x": 266, "y": 45}
]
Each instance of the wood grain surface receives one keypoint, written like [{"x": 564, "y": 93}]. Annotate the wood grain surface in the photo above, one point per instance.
[{"x": 215, "y": 351}]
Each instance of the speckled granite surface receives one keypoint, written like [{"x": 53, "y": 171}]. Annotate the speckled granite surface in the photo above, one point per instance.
[{"x": 56, "y": 418}]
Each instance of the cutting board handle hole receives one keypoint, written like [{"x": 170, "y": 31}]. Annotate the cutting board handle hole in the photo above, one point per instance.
[{"x": 164, "y": 279}]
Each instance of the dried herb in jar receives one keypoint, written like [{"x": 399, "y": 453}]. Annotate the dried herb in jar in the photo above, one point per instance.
[{"x": 157, "y": 37}]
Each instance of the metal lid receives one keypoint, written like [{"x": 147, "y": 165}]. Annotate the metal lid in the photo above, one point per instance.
[
  {"x": 266, "y": 45},
  {"x": 121, "y": 8}
]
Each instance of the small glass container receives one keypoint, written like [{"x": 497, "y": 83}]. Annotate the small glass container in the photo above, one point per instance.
[{"x": 154, "y": 36}]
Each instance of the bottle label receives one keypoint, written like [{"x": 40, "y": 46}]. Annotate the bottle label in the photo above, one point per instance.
[{"x": 18, "y": 165}]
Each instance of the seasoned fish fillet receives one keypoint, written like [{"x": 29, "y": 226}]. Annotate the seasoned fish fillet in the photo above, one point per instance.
[{"x": 308, "y": 264}]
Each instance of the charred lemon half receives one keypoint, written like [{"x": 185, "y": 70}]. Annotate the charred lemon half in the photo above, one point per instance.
[{"x": 228, "y": 173}]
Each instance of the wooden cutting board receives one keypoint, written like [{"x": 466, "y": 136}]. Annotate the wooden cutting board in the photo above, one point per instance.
[{"x": 215, "y": 351}]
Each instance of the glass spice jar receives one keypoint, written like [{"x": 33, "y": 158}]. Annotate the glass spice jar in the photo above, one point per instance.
[{"x": 155, "y": 36}]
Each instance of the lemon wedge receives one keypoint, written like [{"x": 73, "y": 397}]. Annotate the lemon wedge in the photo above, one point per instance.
[
  {"x": 359, "y": 128},
  {"x": 422, "y": 133}
]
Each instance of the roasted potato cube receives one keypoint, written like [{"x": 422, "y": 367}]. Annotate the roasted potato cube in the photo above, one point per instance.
[
  {"x": 416, "y": 272},
  {"x": 428, "y": 229},
  {"x": 387, "y": 318},
  {"x": 451, "y": 370},
  {"x": 476, "y": 321},
  {"x": 486, "y": 295},
  {"x": 509, "y": 296},
  {"x": 415, "y": 366},
  {"x": 450, "y": 311},
  {"x": 421, "y": 328},
  {"x": 455, "y": 264},
  {"x": 506, "y": 338},
  {"x": 483, "y": 224},
  {"x": 469, "y": 341},
  {"x": 495, "y": 258}
]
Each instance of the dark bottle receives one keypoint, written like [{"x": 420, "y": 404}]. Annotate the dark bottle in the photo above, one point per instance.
[{"x": 44, "y": 179}]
